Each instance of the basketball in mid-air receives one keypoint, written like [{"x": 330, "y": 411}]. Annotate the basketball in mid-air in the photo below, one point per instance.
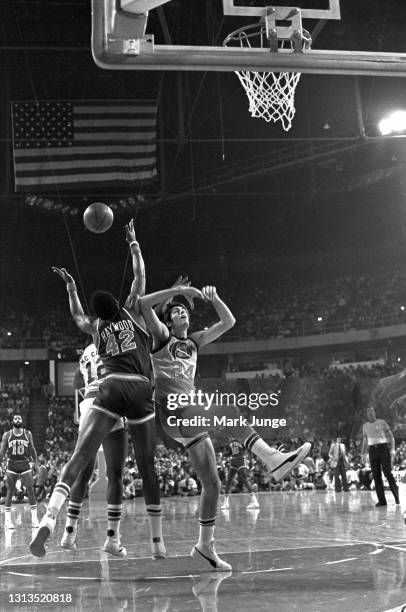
[{"x": 98, "y": 217}]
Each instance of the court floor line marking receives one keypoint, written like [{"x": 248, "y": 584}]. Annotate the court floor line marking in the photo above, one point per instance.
[
  {"x": 340, "y": 561},
  {"x": 327, "y": 544},
  {"x": 229, "y": 552},
  {"x": 78, "y": 578},
  {"x": 218, "y": 540},
  {"x": 280, "y": 569},
  {"x": 351, "y": 542}
]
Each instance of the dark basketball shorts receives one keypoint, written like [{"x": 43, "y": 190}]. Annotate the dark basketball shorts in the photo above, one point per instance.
[
  {"x": 126, "y": 395},
  {"x": 18, "y": 467}
]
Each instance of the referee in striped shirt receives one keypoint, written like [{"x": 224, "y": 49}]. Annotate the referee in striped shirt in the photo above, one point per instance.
[{"x": 379, "y": 440}]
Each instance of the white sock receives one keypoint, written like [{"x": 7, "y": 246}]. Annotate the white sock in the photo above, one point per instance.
[
  {"x": 113, "y": 520},
  {"x": 259, "y": 447},
  {"x": 206, "y": 531},
  {"x": 57, "y": 500},
  {"x": 155, "y": 522},
  {"x": 74, "y": 509}
]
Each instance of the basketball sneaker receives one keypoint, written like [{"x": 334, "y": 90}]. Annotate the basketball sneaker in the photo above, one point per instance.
[
  {"x": 281, "y": 464},
  {"x": 207, "y": 557},
  {"x": 68, "y": 540},
  {"x": 46, "y": 528},
  {"x": 114, "y": 547},
  {"x": 158, "y": 549}
]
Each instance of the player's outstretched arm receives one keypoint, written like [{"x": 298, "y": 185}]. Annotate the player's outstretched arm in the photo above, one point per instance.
[
  {"x": 138, "y": 283},
  {"x": 152, "y": 299},
  {"x": 226, "y": 322},
  {"x": 85, "y": 323}
]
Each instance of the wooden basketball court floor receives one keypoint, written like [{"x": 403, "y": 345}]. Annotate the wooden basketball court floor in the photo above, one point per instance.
[{"x": 301, "y": 551}]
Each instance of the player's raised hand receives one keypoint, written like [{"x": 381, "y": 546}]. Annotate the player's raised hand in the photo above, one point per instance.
[
  {"x": 182, "y": 281},
  {"x": 209, "y": 293},
  {"x": 64, "y": 274},
  {"x": 130, "y": 232}
]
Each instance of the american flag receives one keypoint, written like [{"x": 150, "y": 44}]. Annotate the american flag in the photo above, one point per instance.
[{"x": 64, "y": 144}]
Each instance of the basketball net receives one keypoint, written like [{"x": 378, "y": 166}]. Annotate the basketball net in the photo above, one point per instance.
[{"x": 271, "y": 95}]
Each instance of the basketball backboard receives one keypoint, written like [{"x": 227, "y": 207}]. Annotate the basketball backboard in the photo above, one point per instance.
[
  {"x": 122, "y": 40},
  {"x": 258, "y": 9}
]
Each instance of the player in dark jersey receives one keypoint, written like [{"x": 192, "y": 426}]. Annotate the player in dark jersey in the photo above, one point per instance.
[
  {"x": 174, "y": 358},
  {"x": 124, "y": 391},
  {"x": 17, "y": 443},
  {"x": 238, "y": 467}
]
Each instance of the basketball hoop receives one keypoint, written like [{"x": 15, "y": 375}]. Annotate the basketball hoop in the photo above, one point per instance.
[{"x": 271, "y": 95}]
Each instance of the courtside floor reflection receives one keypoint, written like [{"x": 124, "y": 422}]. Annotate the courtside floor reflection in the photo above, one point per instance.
[{"x": 302, "y": 550}]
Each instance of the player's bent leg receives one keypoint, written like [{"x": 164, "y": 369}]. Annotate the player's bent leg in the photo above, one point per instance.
[
  {"x": 203, "y": 459},
  {"x": 28, "y": 482},
  {"x": 279, "y": 464},
  {"x": 143, "y": 437},
  {"x": 77, "y": 494},
  {"x": 115, "y": 452},
  {"x": 11, "y": 480},
  {"x": 95, "y": 427}
]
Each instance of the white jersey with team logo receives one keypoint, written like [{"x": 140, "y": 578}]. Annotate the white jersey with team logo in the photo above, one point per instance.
[
  {"x": 90, "y": 366},
  {"x": 174, "y": 367}
]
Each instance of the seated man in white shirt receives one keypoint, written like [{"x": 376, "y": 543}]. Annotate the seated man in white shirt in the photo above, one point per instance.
[{"x": 187, "y": 486}]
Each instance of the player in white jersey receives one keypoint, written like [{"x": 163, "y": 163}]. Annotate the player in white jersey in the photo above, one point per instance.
[
  {"x": 174, "y": 358},
  {"x": 115, "y": 452}
]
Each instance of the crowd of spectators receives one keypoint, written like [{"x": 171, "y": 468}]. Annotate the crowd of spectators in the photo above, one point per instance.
[
  {"x": 318, "y": 405},
  {"x": 270, "y": 303},
  {"x": 14, "y": 399},
  {"x": 292, "y": 306}
]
